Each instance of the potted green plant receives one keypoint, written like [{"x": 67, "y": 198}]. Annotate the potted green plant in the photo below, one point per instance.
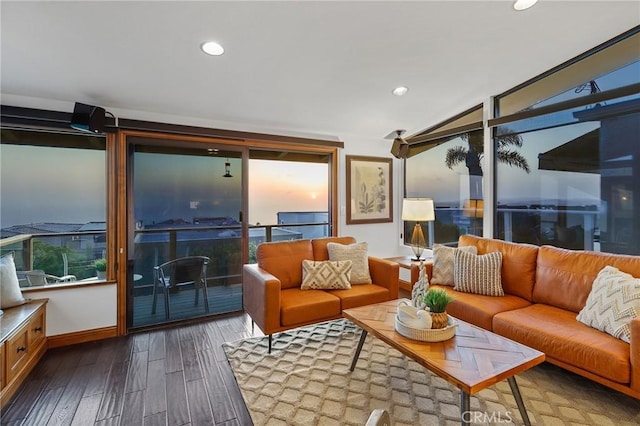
[
  {"x": 437, "y": 301},
  {"x": 101, "y": 268}
]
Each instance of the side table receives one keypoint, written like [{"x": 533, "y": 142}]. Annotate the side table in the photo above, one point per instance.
[{"x": 406, "y": 263}]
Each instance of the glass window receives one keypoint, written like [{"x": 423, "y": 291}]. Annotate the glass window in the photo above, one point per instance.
[
  {"x": 53, "y": 205},
  {"x": 609, "y": 66},
  {"x": 583, "y": 190},
  {"x": 288, "y": 199},
  {"x": 450, "y": 173},
  {"x": 624, "y": 76},
  {"x": 187, "y": 202}
]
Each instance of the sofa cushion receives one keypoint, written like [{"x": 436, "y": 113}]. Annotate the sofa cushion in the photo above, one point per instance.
[
  {"x": 518, "y": 263},
  {"x": 283, "y": 260},
  {"x": 478, "y": 309},
  {"x": 361, "y": 295},
  {"x": 305, "y": 306},
  {"x": 559, "y": 335},
  {"x": 478, "y": 274},
  {"x": 357, "y": 254},
  {"x": 442, "y": 271},
  {"x": 319, "y": 245},
  {"x": 613, "y": 302},
  {"x": 326, "y": 275},
  {"x": 564, "y": 277},
  {"x": 10, "y": 293}
]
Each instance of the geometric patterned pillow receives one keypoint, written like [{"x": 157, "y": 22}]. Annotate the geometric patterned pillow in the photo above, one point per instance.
[
  {"x": 326, "y": 275},
  {"x": 478, "y": 274},
  {"x": 613, "y": 302},
  {"x": 442, "y": 272}
]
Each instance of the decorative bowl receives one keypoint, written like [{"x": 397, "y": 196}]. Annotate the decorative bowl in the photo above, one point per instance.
[{"x": 427, "y": 334}]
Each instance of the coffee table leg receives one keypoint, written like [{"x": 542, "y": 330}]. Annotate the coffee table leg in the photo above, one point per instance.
[
  {"x": 363, "y": 336},
  {"x": 465, "y": 406},
  {"x": 516, "y": 394}
]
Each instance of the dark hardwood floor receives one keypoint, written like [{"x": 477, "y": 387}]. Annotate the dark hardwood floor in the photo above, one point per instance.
[{"x": 174, "y": 376}]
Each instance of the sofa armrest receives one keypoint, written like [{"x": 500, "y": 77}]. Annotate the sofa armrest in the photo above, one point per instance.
[
  {"x": 385, "y": 274},
  {"x": 261, "y": 297},
  {"x": 634, "y": 349}
]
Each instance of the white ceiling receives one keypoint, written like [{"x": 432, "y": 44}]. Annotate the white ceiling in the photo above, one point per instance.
[{"x": 306, "y": 68}]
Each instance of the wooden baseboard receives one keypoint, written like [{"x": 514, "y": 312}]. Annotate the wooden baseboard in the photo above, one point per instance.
[{"x": 82, "y": 336}]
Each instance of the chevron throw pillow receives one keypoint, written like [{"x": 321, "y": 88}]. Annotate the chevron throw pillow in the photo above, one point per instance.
[
  {"x": 326, "y": 275},
  {"x": 442, "y": 272},
  {"x": 613, "y": 302}
]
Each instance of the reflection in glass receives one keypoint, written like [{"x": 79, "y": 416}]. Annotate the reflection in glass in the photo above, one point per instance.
[
  {"x": 184, "y": 205},
  {"x": 450, "y": 173},
  {"x": 581, "y": 193},
  {"x": 53, "y": 205}
]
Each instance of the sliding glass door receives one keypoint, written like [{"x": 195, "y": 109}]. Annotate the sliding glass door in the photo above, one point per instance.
[{"x": 185, "y": 202}]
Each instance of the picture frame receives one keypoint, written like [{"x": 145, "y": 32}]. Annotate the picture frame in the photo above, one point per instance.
[{"x": 369, "y": 189}]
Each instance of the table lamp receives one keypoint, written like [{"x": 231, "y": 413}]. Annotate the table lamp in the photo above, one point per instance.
[{"x": 418, "y": 210}]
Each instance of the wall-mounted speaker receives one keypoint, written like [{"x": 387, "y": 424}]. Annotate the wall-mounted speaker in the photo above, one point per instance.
[{"x": 88, "y": 118}]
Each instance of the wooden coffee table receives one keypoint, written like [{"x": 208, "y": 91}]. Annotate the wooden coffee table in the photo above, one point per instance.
[{"x": 472, "y": 360}]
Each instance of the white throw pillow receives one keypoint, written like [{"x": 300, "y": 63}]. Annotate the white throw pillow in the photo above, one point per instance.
[
  {"x": 613, "y": 302},
  {"x": 10, "y": 294},
  {"x": 326, "y": 275},
  {"x": 357, "y": 254},
  {"x": 442, "y": 272},
  {"x": 478, "y": 274}
]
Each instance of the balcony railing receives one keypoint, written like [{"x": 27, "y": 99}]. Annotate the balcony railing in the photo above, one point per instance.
[
  {"x": 57, "y": 254},
  {"x": 74, "y": 253}
]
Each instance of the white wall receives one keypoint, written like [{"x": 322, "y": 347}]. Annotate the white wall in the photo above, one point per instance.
[
  {"x": 383, "y": 238},
  {"x": 78, "y": 308}
]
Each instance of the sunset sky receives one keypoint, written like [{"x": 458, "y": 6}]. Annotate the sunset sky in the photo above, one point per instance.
[{"x": 61, "y": 186}]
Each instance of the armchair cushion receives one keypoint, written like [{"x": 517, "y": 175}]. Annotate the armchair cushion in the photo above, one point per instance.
[
  {"x": 306, "y": 306},
  {"x": 357, "y": 254},
  {"x": 283, "y": 259}
]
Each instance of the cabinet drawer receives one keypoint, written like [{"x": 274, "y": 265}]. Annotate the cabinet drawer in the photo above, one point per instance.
[
  {"x": 16, "y": 353},
  {"x": 36, "y": 330}
]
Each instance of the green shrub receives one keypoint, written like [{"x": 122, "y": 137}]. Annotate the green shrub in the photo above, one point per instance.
[{"x": 100, "y": 264}]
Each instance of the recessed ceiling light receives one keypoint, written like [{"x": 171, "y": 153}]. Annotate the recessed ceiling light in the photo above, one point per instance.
[
  {"x": 399, "y": 91},
  {"x": 524, "y": 4},
  {"x": 212, "y": 48}
]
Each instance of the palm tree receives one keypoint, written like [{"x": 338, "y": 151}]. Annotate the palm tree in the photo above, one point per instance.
[{"x": 472, "y": 155}]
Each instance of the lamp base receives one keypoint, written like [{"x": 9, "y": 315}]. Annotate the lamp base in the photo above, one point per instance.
[{"x": 418, "y": 242}]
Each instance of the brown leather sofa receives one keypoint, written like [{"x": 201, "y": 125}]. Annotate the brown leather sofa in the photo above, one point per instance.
[
  {"x": 545, "y": 288},
  {"x": 271, "y": 288}
]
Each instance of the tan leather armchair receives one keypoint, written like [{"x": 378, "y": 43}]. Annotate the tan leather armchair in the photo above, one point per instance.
[{"x": 275, "y": 302}]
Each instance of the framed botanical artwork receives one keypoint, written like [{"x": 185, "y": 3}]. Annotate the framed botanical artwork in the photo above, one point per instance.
[{"x": 369, "y": 190}]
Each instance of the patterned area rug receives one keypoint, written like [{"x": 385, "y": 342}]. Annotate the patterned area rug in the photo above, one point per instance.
[{"x": 306, "y": 381}]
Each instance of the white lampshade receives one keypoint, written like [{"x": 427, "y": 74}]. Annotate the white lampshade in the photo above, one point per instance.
[{"x": 418, "y": 209}]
